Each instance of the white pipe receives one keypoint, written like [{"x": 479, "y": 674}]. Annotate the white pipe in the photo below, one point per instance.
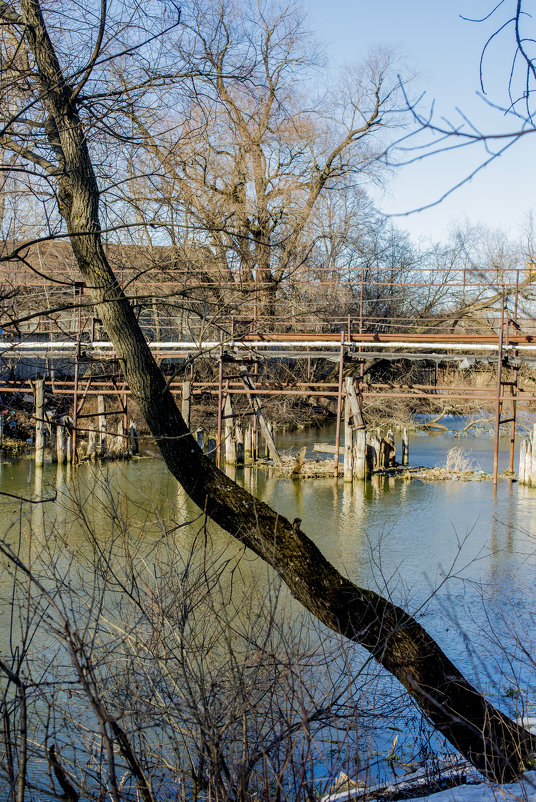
[{"x": 256, "y": 345}]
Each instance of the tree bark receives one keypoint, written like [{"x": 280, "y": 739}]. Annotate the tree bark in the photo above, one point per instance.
[{"x": 497, "y": 746}]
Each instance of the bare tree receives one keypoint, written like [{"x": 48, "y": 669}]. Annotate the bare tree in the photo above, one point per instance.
[
  {"x": 246, "y": 157},
  {"x": 59, "y": 102}
]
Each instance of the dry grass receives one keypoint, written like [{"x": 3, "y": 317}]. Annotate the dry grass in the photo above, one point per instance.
[
  {"x": 311, "y": 468},
  {"x": 459, "y": 461}
]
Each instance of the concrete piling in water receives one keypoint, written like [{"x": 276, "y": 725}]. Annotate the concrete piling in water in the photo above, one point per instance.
[
  {"x": 133, "y": 441},
  {"x": 239, "y": 441},
  {"x": 528, "y": 464},
  {"x": 92, "y": 444},
  {"x": 230, "y": 444},
  {"x": 533, "y": 461},
  {"x": 39, "y": 423},
  {"x": 103, "y": 427},
  {"x": 248, "y": 445},
  {"x": 522, "y": 473},
  {"x": 112, "y": 450},
  {"x": 230, "y": 449},
  {"x": 264, "y": 451},
  {"x": 121, "y": 447},
  {"x": 50, "y": 428},
  {"x": 267, "y": 446},
  {"x": 68, "y": 446},
  {"x": 61, "y": 446},
  {"x": 360, "y": 454},
  {"x": 405, "y": 447}
]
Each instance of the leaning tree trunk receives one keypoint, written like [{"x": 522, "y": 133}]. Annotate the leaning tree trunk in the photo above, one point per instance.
[{"x": 497, "y": 746}]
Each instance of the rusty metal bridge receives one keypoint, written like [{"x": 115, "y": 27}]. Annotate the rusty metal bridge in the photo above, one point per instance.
[{"x": 348, "y": 316}]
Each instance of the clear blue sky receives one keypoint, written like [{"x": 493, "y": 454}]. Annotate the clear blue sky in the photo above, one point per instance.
[{"x": 442, "y": 51}]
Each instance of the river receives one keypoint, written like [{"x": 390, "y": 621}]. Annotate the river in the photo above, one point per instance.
[{"x": 461, "y": 559}]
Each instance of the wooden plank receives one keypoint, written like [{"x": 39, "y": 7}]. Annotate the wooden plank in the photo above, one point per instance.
[
  {"x": 354, "y": 403},
  {"x": 324, "y": 448}
]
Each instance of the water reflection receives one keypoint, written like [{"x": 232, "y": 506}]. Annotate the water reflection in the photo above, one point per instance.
[{"x": 402, "y": 537}]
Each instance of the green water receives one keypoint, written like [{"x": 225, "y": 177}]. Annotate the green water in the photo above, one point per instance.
[
  {"x": 462, "y": 560},
  {"x": 401, "y": 537}
]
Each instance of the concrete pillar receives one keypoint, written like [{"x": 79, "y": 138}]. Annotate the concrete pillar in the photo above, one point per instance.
[
  {"x": 103, "y": 426},
  {"x": 528, "y": 463},
  {"x": 39, "y": 423},
  {"x": 239, "y": 439},
  {"x": 248, "y": 445},
  {"x": 533, "y": 463},
  {"x": 230, "y": 445},
  {"x": 121, "y": 447},
  {"x": 360, "y": 454},
  {"x": 92, "y": 444},
  {"x": 61, "y": 448},
  {"x": 405, "y": 447},
  {"x": 522, "y": 476},
  {"x": 133, "y": 442}
]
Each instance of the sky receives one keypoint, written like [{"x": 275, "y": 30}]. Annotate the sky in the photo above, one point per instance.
[{"x": 441, "y": 52}]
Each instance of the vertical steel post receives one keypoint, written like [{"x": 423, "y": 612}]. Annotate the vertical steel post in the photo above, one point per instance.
[
  {"x": 513, "y": 387},
  {"x": 255, "y": 435},
  {"x": 78, "y": 290},
  {"x": 361, "y": 360},
  {"x": 339, "y": 408},
  {"x": 39, "y": 423},
  {"x": 498, "y": 397},
  {"x": 124, "y": 404},
  {"x": 220, "y": 403},
  {"x": 361, "y": 299},
  {"x": 255, "y": 289}
]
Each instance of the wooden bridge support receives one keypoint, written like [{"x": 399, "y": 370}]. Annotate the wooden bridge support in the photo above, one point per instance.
[{"x": 355, "y": 436}]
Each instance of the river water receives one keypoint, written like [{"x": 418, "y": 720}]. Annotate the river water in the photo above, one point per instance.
[
  {"x": 461, "y": 559},
  {"x": 398, "y": 536}
]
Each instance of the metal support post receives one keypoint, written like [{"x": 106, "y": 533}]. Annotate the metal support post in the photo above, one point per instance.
[
  {"x": 220, "y": 403},
  {"x": 498, "y": 406},
  {"x": 339, "y": 408}
]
